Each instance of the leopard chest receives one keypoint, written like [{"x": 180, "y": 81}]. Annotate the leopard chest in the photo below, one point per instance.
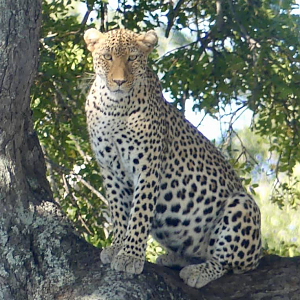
[{"x": 116, "y": 145}]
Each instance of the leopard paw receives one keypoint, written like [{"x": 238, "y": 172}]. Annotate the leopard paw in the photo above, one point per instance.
[
  {"x": 194, "y": 276},
  {"x": 107, "y": 254},
  {"x": 171, "y": 260},
  {"x": 200, "y": 275},
  {"x": 127, "y": 263}
]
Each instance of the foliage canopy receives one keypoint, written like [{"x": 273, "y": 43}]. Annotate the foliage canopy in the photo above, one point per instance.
[{"x": 225, "y": 52}]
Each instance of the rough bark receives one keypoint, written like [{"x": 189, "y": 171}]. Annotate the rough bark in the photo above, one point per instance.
[
  {"x": 41, "y": 257},
  {"x": 34, "y": 239},
  {"x": 276, "y": 278}
]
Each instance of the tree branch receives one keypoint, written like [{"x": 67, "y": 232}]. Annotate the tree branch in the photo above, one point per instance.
[
  {"x": 275, "y": 278},
  {"x": 219, "y": 15},
  {"x": 172, "y": 14},
  {"x": 252, "y": 43},
  {"x": 204, "y": 42}
]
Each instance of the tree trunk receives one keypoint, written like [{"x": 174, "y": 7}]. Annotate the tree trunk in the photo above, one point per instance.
[
  {"x": 41, "y": 257},
  {"x": 35, "y": 241}
]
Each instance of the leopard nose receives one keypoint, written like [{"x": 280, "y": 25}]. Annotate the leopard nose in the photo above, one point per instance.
[{"x": 119, "y": 82}]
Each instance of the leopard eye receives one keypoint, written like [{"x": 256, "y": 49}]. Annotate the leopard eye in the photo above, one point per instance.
[
  {"x": 107, "y": 56},
  {"x": 132, "y": 57}
]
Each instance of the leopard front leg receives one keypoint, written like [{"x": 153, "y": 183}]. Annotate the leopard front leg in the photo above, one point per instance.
[
  {"x": 120, "y": 196},
  {"x": 131, "y": 257}
]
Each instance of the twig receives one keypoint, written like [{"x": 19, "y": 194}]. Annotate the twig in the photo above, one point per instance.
[
  {"x": 90, "y": 8},
  {"x": 73, "y": 200},
  {"x": 85, "y": 157},
  {"x": 63, "y": 170},
  {"x": 233, "y": 114},
  {"x": 252, "y": 43},
  {"x": 205, "y": 114},
  {"x": 92, "y": 189},
  {"x": 204, "y": 42},
  {"x": 234, "y": 117},
  {"x": 176, "y": 49},
  {"x": 244, "y": 149}
]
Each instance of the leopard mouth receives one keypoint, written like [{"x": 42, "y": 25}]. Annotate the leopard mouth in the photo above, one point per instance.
[{"x": 120, "y": 90}]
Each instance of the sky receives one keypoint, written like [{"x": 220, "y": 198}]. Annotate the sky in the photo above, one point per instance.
[{"x": 211, "y": 127}]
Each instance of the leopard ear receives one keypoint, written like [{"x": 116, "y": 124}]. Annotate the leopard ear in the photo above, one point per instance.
[
  {"x": 147, "y": 40},
  {"x": 92, "y": 37}
]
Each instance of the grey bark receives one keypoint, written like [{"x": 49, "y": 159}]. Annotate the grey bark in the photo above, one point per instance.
[
  {"x": 34, "y": 238},
  {"x": 41, "y": 257},
  {"x": 276, "y": 278}
]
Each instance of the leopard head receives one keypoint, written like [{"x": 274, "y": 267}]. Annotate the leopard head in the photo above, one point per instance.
[{"x": 120, "y": 56}]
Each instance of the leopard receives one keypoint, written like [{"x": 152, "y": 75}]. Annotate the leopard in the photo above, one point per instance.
[{"x": 162, "y": 177}]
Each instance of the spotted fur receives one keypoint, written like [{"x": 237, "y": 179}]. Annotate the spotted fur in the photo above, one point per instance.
[{"x": 161, "y": 175}]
